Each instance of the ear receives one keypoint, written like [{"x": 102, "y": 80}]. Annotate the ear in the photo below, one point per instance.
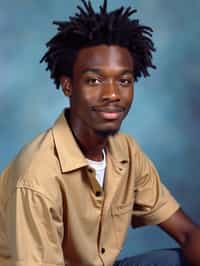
[{"x": 66, "y": 84}]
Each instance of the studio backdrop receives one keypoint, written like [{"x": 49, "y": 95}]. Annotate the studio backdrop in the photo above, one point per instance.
[{"x": 165, "y": 114}]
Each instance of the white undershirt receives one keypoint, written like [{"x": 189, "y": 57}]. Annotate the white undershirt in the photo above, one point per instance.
[{"x": 99, "y": 167}]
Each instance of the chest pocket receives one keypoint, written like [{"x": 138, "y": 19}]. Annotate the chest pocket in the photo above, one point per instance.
[{"x": 121, "y": 216}]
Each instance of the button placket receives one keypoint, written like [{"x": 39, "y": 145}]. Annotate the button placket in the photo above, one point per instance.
[
  {"x": 98, "y": 194},
  {"x": 93, "y": 181}
]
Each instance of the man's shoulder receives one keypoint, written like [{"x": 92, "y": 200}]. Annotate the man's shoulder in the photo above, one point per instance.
[
  {"x": 39, "y": 152},
  {"x": 33, "y": 164}
]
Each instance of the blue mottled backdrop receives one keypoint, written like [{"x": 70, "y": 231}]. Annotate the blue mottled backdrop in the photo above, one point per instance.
[{"x": 165, "y": 114}]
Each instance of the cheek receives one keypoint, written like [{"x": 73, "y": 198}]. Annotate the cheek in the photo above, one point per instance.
[
  {"x": 90, "y": 96},
  {"x": 128, "y": 95},
  {"x": 83, "y": 100},
  {"x": 132, "y": 95}
]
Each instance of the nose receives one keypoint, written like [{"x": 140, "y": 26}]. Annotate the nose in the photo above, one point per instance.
[{"x": 110, "y": 92}]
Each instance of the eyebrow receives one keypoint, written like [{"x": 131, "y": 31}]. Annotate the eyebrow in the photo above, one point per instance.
[{"x": 99, "y": 71}]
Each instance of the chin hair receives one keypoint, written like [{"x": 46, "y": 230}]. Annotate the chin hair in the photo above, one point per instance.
[{"x": 107, "y": 132}]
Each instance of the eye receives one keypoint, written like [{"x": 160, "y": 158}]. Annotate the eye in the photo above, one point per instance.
[
  {"x": 93, "y": 81},
  {"x": 125, "y": 82}
]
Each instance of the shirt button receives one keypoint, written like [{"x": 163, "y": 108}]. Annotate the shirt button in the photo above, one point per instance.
[
  {"x": 103, "y": 250},
  {"x": 98, "y": 193},
  {"x": 90, "y": 170}
]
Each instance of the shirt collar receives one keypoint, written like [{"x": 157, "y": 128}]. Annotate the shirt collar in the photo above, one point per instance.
[{"x": 69, "y": 153}]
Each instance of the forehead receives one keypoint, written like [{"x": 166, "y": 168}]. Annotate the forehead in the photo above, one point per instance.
[{"x": 103, "y": 56}]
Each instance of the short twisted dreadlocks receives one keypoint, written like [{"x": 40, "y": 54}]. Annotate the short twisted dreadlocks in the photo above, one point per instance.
[{"x": 88, "y": 28}]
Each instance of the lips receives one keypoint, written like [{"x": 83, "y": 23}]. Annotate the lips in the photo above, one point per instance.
[
  {"x": 109, "y": 112},
  {"x": 111, "y": 115}
]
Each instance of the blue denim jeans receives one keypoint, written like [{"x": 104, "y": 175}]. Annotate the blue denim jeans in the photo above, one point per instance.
[{"x": 163, "y": 257}]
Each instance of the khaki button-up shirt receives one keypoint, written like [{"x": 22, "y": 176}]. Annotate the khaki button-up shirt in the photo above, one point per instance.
[{"x": 54, "y": 212}]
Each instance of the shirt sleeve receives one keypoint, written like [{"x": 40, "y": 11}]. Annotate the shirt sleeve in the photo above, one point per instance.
[
  {"x": 35, "y": 229},
  {"x": 153, "y": 202}
]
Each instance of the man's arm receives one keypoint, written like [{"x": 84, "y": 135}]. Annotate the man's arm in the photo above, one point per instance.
[
  {"x": 34, "y": 229},
  {"x": 186, "y": 233}
]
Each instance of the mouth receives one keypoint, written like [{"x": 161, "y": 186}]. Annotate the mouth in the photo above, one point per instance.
[{"x": 110, "y": 112}]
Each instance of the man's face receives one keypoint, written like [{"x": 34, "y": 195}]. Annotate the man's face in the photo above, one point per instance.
[{"x": 102, "y": 89}]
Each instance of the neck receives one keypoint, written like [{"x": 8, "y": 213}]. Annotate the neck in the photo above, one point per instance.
[
  {"x": 94, "y": 155},
  {"x": 90, "y": 142},
  {"x": 91, "y": 146}
]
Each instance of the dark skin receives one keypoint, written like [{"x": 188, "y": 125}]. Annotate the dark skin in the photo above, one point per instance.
[
  {"x": 186, "y": 233},
  {"x": 101, "y": 93}
]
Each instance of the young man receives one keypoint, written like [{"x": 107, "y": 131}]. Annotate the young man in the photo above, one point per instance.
[{"x": 70, "y": 195}]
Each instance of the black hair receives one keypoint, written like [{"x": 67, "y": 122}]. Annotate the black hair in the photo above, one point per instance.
[{"x": 89, "y": 28}]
